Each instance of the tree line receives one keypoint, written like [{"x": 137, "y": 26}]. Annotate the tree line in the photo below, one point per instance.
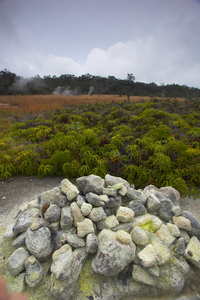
[{"x": 67, "y": 84}]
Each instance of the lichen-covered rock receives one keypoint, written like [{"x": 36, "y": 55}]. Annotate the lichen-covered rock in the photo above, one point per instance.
[
  {"x": 62, "y": 264},
  {"x": 25, "y": 219},
  {"x": 39, "y": 243},
  {"x": 174, "y": 229},
  {"x": 91, "y": 183},
  {"x": 147, "y": 221},
  {"x": 64, "y": 289},
  {"x": 59, "y": 199},
  {"x": 52, "y": 213},
  {"x": 112, "y": 256},
  {"x": 142, "y": 276},
  {"x": 46, "y": 198},
  {"x": 16, "y": 262},
  {"x": 110, "y": 192},
  {"x": 20, "y": 240},
  {"x": 97, "y": 214},
  {"x": 162, "y": 249},
  {"x": 124, "y": 214},
  {"x": 192, "y": 251},
  {"x": 108, "y": 223},
  {"x": 34, "y": 271},
  {"x": 69, "y": 189},
  {"x": 139, "y": 236},
  {"x": 38, "y": 223},
  {"x": 85, "y": 227}
]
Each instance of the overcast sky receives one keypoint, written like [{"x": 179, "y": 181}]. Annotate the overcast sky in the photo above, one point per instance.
[{"x": 156, "y": 40}]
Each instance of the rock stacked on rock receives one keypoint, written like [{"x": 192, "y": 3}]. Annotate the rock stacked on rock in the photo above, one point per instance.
[{"x": 122, "y": 227}]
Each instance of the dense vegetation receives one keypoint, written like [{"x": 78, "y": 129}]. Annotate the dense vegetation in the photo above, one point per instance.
[
  {"x": 67, "y": 84},
  {"x": 156, "y": 142}
]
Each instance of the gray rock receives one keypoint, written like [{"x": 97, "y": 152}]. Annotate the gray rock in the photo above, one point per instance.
[
  {"x": 150, "y": 188},
  {"x": 33, "y": 204},
  {"x": 154, "y": 270},
  {"x": 112, "y": 180},
  {"x": 69, "y": 189},
  {"x": 174, "y": 229},
  {"x": 52, "y": 214},
  {"x": 34, "y": 271},
  {"x": 123, "y": 191},
  {"x": 38, "y": 223},
  {"x": 39, "y": 243},
  {"x": 91, "y": 183},
  {"x": 94, "y": 199},
  {"x": 112, "y": 256},
  {"x": 97, "y": 214},
  {"x": 62, "y": 265},
  {"x": 192, "y": 252},
  {"x": 91, "y": 243},
  {"x": 25, "y": 219},
  {"x": 138, "y": 207},
  {"x": 59, "y": 199},
  {"x": 184, "y": 234},
  {"x": 128, "y": 227},
  {"x": 142, "y": 276},
  {"x": 20, "y": 241},
  {"x": 176, "y": 210},
  {"x": 113, "y": 202},
  {"x": 134, "y": 195},
  {"x": 66, "y": 219},
  {"x": 16, "y": 262},
  {"x": 80, "y": 200},
  {"x": 172, "y": 194},
  {"x": 64, "y": 289},
  {"x": 76, "y": 213},
  {"x": 180, "y": 246},
  {"x": 75, "y": 241},
  {"x": 153, "y": 203},
  {"x": 165, "y": 210},
  {"x": 124, "y": 237},
  {"x": 195, "y": 224},
  {"x": 9, "y": 234}
]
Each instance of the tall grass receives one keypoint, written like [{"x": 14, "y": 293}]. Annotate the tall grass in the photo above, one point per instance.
[{"x": 26, "y": 104}]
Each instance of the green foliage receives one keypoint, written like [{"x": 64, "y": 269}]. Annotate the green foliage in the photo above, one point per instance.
[{"x": 141, "y": 142}]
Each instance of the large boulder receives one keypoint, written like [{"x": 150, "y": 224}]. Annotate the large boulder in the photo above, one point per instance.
[
  {"x": 39, "y": 243},
  {"x": 112, "y": 256}
]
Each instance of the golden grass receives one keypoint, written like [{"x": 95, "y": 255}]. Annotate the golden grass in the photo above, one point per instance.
[{"x": 26, "y": 104}]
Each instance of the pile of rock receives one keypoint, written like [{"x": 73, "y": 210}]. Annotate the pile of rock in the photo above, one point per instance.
[{"x": 123, "y": 228}]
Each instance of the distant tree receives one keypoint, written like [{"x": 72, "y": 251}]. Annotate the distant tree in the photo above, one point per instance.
[{"x": 130, "y": 77}]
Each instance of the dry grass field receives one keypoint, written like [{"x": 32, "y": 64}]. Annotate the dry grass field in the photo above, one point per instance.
[{"x": 26, "y": 104}]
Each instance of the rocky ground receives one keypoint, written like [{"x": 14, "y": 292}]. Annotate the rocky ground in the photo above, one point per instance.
[{"x": 17, "y": 190}]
